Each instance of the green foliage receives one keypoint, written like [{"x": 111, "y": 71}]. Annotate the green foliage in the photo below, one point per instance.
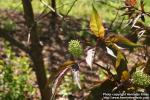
[
  {"x": 8, "y": 24},
  {"x": 141, "y": 79},
  {"x": 15, "y": 77},
  {"x": 75, "y": 48},
  {"x": 64, "y": 5},
  {"x": 68, "y": 86},
  {"x": 10, "y": 4}
]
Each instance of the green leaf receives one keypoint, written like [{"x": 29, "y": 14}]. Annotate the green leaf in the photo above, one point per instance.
[
  {"x": 120, "y": 63},
  {"x": 123, "y": 42},
  {"x": 120, "y": 57},
  {"x": 96, "y": 25}
]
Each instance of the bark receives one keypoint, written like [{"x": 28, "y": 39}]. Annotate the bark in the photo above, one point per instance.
[
  {"x": 53, "y": 17},
  {"x": 147, "y": 67},
  {"x": 36, "y": 51}
]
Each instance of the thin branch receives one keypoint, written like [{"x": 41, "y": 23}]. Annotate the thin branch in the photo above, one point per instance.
[
  {"x": 114, "y": 20},
  {"x": 107, "y": 70},
  {"x": 120, "y": 25},
  {"x": 51, "y": 8},
  {"x": 42, "y": 15},
  {"x": 146, "y": 13},
  {"x": 63, "y": 5},
  {"x": 119, "y": 8},
  {"x": 104, "y": 2},
  {"x": 6, "y": 36},
  {"x": 71, "y": 7}
]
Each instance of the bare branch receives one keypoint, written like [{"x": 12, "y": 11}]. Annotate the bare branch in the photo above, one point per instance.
[
  {"x": 111, "y": 25},
  {"x": 71, "y": 7},
  {"x": 51, "y": 8}
]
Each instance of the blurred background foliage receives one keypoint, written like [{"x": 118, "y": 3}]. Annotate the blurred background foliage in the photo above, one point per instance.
[
  {"x": 81, "y": 9},
  {"x": 15, "y": 76}
]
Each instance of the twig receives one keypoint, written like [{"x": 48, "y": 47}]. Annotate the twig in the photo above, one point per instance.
[
  {"x": 44, "y": 3},
  {"x": 104, "y": 69},
  {"x": 146, "y": 13},
  {"x": 114, "y": 20},
  {"x": 41, "y": 16},
  {"x": 63, "y": 5},
  {"x": 119, "y": 8},
  {"x": 71, "y": 7},
  {"x": 107, "y": 4},
  {"x": 120, "y": 25}
]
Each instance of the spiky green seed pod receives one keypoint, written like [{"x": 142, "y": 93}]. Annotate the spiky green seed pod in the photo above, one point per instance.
[
  {"x": 75, "y": 48},
  {"x": 141, "y": 79}
]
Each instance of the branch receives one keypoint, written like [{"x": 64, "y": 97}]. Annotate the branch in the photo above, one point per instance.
[
  {"x": 51, "y": 8},
  {"x": 107, "y": 70},
  {"x": 6, "y": 36},
  {"x": 105, "y": 3},
  {"x": 114, "y": 20},
  {"x": 71, "y": 7},
  {"x": 36, "y": 51}
]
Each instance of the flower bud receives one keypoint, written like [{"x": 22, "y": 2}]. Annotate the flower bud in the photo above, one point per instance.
[{"x": 75, "y": 48}]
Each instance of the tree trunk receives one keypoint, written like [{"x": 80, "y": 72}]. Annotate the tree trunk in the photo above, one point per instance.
[
  {"x": 36, "y": 51},
  {"x": 53, "y": 17}
]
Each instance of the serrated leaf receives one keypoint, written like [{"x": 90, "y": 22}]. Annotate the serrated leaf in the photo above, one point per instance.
[
  {"x": 96, "y": 25},
  {"x": 123, "y": 42},
  {"x": 90, "y": 57}
]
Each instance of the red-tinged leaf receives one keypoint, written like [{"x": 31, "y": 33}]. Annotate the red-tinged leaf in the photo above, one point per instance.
[
  {"x": 58, "y": 81},
  {"x": 130, "y": 2},
  {"x": 54, "y": 74},
  {"x": 142, "y": 6}
]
